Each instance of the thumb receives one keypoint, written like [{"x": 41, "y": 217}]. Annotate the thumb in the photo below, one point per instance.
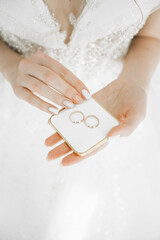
[{"x": 128, "y": 125}]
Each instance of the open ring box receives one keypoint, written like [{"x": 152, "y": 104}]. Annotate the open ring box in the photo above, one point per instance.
[{"x": 80, "y": 138}]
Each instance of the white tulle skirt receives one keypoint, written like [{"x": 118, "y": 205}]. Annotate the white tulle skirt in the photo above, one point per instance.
[{"x": 113, "y": 195}]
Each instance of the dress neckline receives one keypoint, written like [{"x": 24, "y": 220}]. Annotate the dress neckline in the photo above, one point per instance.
[{"x": 72, "y": 18}]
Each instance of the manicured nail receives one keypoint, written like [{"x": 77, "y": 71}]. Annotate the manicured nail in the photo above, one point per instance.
[
  {"x": 60, "y": 164},
  {"x": 86, "y": 94},
  {"x": 77, "y": 98},
  {"x": 112, "y": 138},
  {"x": 68, "y": 104},
  {"x": 53, "y": 110}
]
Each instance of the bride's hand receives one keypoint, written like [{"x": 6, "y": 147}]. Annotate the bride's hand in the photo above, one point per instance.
[
  {"x": 124, "y": 100},
  {"x": 42, "y": 74}
]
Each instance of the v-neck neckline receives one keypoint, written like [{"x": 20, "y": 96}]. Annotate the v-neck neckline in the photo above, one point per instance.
[{"x": 73, "y": 20}]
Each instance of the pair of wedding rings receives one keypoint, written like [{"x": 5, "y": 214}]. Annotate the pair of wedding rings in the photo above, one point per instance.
[{"x": 82, "y": 118}]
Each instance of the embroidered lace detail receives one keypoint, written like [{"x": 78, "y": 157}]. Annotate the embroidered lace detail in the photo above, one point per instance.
[
  {"x": 87, "y": 61},
  {"x": 19, "y": 45},
  {"x": 51, "y": 21},
  {"x": 101, "y": 52}
]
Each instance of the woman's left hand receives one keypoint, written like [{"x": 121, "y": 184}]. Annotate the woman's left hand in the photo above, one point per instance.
[{"x": 125, "y": 100}]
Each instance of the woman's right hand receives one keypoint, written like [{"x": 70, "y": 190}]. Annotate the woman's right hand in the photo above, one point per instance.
[{"x": 43, "y": 75}]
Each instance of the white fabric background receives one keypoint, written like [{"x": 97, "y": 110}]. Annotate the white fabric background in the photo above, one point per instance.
[{"x": 113, "y": 195}]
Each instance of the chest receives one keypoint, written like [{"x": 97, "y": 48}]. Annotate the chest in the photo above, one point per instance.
[
  {"x": 97, "y": 19},
  {"x": 62, "y": 10}
]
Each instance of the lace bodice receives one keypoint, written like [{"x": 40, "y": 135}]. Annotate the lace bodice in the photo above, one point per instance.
[{"x": 99, "y": 41}]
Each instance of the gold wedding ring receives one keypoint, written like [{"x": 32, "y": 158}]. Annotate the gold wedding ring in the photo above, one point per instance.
[
  {"x": 82, "y": 118},
  {"x": 92, "y": 126}
]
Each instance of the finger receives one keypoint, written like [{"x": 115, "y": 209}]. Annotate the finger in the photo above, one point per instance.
[
  {"x": 51, "y": 78},
  {"x": 28, "y": 96},
  {"x": 42, "y": 89},
  {"x": 59, "y": 151},
  {"x": 63, "y": 72},
  {"x": 73, "y": 158},
  {"x": 53, "y": 139},
  {"x": 128, "y": 125}
]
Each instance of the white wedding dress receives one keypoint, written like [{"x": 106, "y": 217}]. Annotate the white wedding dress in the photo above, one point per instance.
[{"x": 113, "y": 195}]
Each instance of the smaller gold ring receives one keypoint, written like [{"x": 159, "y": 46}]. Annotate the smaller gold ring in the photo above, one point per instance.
[
  {"x": 89, "y": 125},
  {"x": 76, "y": 121}
]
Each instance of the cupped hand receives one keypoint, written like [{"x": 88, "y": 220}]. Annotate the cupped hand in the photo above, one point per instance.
[
  {"x": 42, "y": 75},
  {"x": 124, "y": 100}
]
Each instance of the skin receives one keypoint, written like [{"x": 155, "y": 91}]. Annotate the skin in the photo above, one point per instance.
[
  {"x": 125, "y": 98},
  {"x": 113, "y": 98},
  {"x": 37, "y": 74},
  {"x": 42, "y": 74},
  {"x": 62, "y": 9}
]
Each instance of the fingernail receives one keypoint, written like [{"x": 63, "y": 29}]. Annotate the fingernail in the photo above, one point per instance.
[
  {"x": 68, "y": 104},
  {"x": 53, "y": 110},
  {"x": 86, "y": 94},
  {"x": 60, "y": 164},
  {"x": 77, "y": 98},
  {"x": 113, "y": 138}
]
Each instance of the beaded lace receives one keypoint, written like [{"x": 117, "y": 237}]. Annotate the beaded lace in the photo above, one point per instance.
[{"x": 88, "y": 56}]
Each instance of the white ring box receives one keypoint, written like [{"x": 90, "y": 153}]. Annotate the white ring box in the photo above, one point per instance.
[{"x": 79, "y": 137}]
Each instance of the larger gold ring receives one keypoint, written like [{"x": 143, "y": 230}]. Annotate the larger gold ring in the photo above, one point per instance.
[
  {"x": 92, "y": 126},
  {"x": 79, "y": 120}
]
